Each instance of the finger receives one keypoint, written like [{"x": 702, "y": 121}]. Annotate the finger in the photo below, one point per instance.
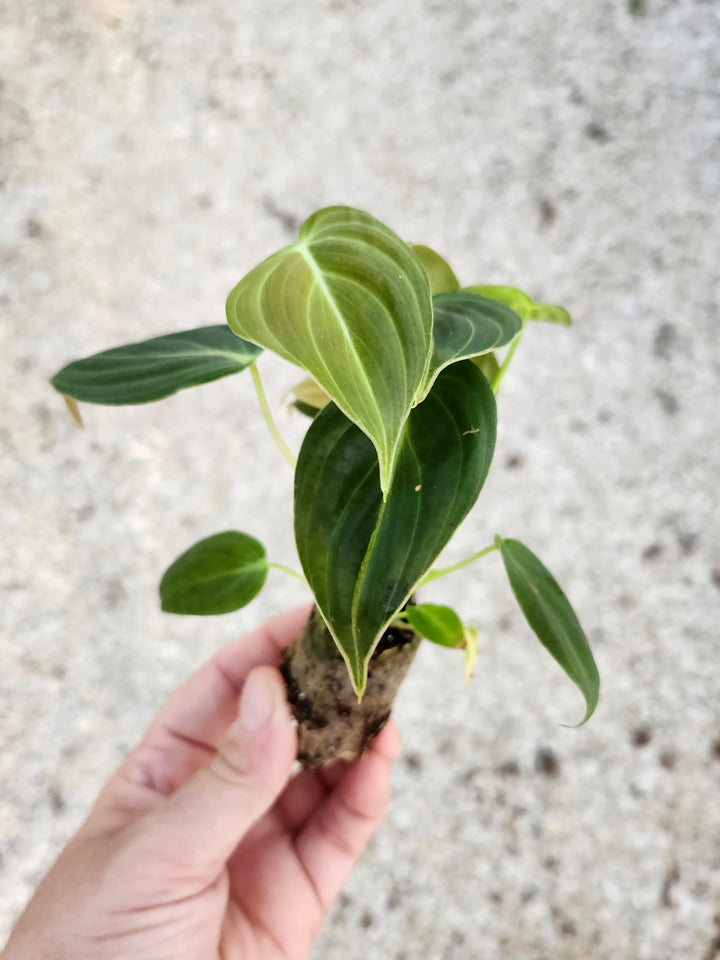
[
  {"x": 331, "y": 842},
  {"x": 305, "y": 793},
  {"x": 204, "y": 820},
  {"x": 189, "y": 727}
]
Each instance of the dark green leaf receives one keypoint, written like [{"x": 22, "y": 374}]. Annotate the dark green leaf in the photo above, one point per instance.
[
  {"x": 153, "y": 369},
  {"x": 437, "y": 623},
  {"x": 350, "y": 303},
  {"x": 363, "y": 557},
  {"x": 218, "y": 575},
  {"x": 466, "y": 325},
  {"x": 523, "y": 305},
  {"x": 553, "y": 620},
  {"x": 440, "y": 274}
]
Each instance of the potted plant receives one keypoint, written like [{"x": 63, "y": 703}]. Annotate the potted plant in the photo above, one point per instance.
[{"x": 400, "y": 387}]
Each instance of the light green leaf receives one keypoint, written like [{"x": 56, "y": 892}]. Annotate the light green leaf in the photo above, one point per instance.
[
  {"x": 522, "y": 304},
  {"x": 350, "y": 303},
  {"x": 153, "y": 369},
  {"x": 440, "y": 274},
  {"x": 466, "y": 325},
  {"x": 471, "y": 651},
  {"x": 363, "y": 557},
  {"x": 437, "y": 623},
  {"x": 489, "y": 366},
  {"x": 217, "y": 575},
  {"x": 553, "y": 620}
]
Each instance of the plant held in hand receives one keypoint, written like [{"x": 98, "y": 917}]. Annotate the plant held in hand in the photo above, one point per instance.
[{"x": 400, "y": 390}]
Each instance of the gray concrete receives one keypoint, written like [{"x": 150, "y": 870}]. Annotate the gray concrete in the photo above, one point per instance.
[{"x": 153, "y": 153}]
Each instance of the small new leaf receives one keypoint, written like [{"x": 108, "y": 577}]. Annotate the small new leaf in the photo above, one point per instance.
[
  {"x": 220, "y": 574},
  {"x": 154, "y": 369},
  {"x": 523, "y": 305},
  {"x": 440, "y": 274},
  {"x": 437, "y": 623},
  {"x": 552, "y": 619}
]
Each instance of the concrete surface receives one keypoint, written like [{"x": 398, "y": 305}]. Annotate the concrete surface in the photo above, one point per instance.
[{"x": 151, "y": 154}]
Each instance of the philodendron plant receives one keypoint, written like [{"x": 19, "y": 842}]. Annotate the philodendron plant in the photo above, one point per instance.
[{"x": 400, "y": 387}]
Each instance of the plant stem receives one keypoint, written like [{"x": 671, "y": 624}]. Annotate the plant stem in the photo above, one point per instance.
[
  {"x": 275, "y": 433},
  {"x": 444, "y": 571},
  {"x": 288, "y": 570},
  {"x": 506, "y": 362}
]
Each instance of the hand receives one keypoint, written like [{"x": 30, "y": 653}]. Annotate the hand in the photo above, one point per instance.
[{"x": 200, "y": 847}]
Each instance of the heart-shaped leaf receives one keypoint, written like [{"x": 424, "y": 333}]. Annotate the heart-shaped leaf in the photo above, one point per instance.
[
  {"x": 350, "y": 303},
  {"x": 523, "y": 305},
  {"x": 363, "y": 557},
  {"x": 437, "y": 623},
  {"x": 440, "y": 274},
  {"x": 153, "y": 369},
  {"x": 217, "y": 575},
  {"x": 467, "y": 325},
  {"x": 552, "y": 619}
]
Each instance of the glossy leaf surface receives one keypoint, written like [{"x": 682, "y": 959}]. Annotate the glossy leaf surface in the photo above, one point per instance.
[
  {"x": 439, "y": 272},
  {"x": 552, "y": 619},
  {"x": 350, "y": 303},
  {"x": 466, "y": 325},
  {"x": 217, "y": 575},
  {"x": 153, "y": 369},
  {"x": 523, "y": 305},
  {"x": 362, "y": 556},
  {"x": 437, "y": 623}
]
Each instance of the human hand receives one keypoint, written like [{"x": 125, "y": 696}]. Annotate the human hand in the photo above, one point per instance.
[{"x": 200, "y": 847}]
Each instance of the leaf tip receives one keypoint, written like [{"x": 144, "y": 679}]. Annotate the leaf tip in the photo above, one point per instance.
[{"x": 74, "y": 409}]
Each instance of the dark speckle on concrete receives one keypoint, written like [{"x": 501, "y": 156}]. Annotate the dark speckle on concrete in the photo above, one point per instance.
[
  {"x": 672, "y": 877},
  {"x": 641, "y": 736},
  {"x": 715, "y": 749},
  {"x": 664, "y": 341},
  {"x": 547, "y": 762},
  {"x": 290, "y": 222},
  {"x": 413, "y": 761},
  {"x": 715, "y": 577},
  {"x": 668, "y": 760},
  {"x": 548, "y": 213},
  {"x": 597, "y": 132},
  {"x": 652, "y": 551},
  {"x": 514, "y": 460},
  {"x": 669, "y": 403}
]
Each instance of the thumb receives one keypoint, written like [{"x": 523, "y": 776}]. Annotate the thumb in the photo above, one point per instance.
[{"x": 207, "y": 817}]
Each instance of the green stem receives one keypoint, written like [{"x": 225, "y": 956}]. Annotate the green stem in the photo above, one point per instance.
[
  {"x": 444, "y": 571},
  {"x": 288, "y": 570},
  {"x": 275, "y": 433},
  {"x": 506, "y": 362}
]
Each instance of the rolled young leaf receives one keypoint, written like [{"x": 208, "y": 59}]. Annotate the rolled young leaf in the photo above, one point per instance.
[
  {"x": 523, "y": 305},
  {"x": 440, "y": 274},
  {"x": 552, "y": 619},
  {"x": 153, "y": 369},
  {"x": 466, "y": 325},
  {"x": 220, "y": 574},
  {"x": 350, "y": 303},
  {"x": 363, "y": 557},
  {"x": 437, "y": 623}
]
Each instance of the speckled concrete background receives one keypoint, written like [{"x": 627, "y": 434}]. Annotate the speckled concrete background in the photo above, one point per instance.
[{"x": 151, "y": 154}]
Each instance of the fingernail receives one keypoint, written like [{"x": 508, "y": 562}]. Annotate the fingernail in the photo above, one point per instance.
[{"x": 257, "y": 703}]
